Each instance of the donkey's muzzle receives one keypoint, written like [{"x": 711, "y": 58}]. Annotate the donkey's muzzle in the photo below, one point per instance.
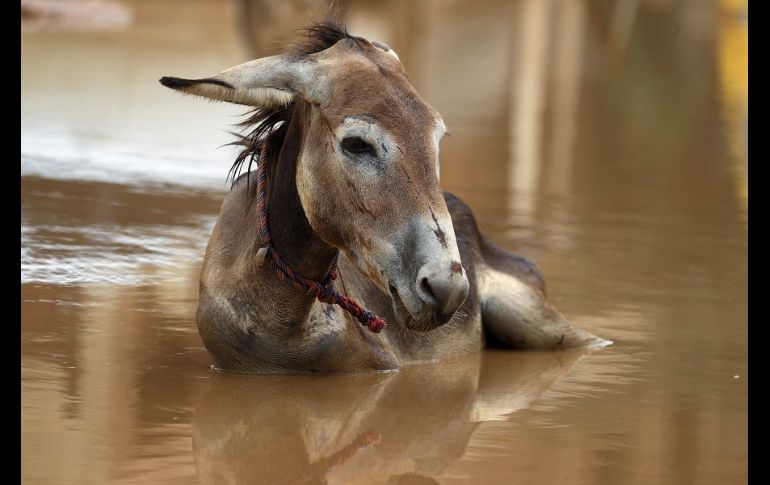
[{"x": 442, "y": 290}]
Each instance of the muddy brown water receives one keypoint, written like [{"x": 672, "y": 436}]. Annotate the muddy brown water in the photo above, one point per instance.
[{"x": 606, "y": 142}]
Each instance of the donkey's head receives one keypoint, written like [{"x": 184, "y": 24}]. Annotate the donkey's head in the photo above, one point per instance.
[{"x": 367, "y": 168}]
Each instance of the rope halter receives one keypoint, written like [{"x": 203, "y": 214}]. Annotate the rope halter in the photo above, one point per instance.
[{"x": 325, "y": 290}]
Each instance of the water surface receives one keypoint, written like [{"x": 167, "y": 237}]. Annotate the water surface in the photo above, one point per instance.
[{"x": 605, "y": 142}]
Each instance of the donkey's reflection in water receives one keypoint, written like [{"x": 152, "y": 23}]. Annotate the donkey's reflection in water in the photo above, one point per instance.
[
  {"x": 344, "y": 223},
  {"x": 373, "y": 426}
]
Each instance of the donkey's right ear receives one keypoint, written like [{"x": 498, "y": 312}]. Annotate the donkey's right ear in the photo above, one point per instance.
[{"x": 265, "y": 83}]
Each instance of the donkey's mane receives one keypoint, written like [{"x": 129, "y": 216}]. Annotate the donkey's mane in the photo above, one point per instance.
[{"x": 264, "y": 130}]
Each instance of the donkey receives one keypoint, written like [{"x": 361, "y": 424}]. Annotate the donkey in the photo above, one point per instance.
[{"x": 344, "y": 223}]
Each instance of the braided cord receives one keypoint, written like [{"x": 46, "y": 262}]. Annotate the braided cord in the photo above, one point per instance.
[{"x": 325, "y": 290}]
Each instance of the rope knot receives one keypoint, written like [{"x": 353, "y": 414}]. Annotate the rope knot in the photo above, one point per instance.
[
  {"x": 328, "y": 294},
  {"x": 365, "y": 316}
]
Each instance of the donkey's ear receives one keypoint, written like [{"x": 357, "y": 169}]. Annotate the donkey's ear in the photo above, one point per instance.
[{"x": 266, "y": 83}]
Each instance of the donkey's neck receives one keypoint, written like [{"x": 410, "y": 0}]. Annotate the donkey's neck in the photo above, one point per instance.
[{"x": 292, "y": 237}]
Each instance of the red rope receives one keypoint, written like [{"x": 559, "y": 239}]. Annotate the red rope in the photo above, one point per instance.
[{"x": 325, "y": 291}]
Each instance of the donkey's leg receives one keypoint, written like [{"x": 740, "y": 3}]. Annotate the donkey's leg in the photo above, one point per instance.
[
  {"x": 514, "y": 308},
  {"x": 511, "y": 290},
  {"x": 331, "y": 342}
]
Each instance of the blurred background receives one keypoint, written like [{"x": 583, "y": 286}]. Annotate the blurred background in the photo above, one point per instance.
[{"x": 605, "y": 139}]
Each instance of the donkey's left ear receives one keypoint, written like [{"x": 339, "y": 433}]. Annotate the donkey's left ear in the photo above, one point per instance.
[{"x": 265, "y": 83}]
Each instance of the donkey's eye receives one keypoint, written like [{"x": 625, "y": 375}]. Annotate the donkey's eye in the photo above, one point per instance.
[{"x": 357, "y": 146}]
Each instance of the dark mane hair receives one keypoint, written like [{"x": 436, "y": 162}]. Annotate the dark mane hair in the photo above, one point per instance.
[{"x": 265, "y": 128}]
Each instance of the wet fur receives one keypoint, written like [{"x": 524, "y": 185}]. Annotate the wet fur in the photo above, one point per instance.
[
  {"x": 248, "y": 320},
  {"x": 251, "y": 322}
]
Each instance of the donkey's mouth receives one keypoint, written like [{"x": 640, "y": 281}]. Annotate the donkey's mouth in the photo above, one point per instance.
[
  {"x": 403, "y": 316},
  {"x": 399, "y": 309},
  {"x": 420, "y": 323}
]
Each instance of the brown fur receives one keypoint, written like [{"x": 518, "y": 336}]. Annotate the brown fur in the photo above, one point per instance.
[{"x": 399, "y": 238}]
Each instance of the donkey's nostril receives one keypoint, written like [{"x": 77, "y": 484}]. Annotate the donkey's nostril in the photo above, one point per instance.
[
  {"x": 442, "y": 293},
  {"x": 426, "y": 292}
]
